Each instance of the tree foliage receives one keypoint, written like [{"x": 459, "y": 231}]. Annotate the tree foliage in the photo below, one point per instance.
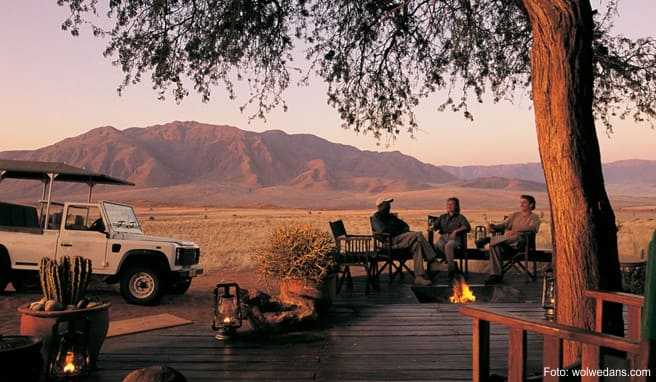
[{"x": 379, "y": 57}]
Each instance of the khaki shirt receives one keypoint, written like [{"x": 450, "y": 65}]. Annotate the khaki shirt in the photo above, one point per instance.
[{"x": 515, "y": 223}]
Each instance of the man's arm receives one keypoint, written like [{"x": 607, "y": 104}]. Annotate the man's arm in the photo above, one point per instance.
[
  {"x": 535, "y": 223},
  {"x": 504, "y": 225},
  {"x": 463, "y": 228},
  {"x": 377, "y": 225},
  {"x": 403, "y": 226}
]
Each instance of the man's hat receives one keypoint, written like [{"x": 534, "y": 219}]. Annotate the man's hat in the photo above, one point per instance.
[{"x": 383, "y": 199}]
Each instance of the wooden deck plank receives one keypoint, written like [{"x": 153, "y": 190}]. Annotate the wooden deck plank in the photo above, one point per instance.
[{"x": 384, "y": 336}]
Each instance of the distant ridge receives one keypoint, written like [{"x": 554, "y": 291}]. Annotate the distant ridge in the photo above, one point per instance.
[
  {"x": 631, "y": 171},
  {"x": 499, "y": 183},
  {"x": 196, "y": 163},
  {"x": 180, "y": 153}
]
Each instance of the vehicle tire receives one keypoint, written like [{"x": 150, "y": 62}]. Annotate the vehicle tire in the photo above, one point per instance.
[
  {"x": 25, "y": 281},
  {"x": 141, "y": 285},
  {"x": 5, "y": 270},
  {"x": 180, "y": 287}
]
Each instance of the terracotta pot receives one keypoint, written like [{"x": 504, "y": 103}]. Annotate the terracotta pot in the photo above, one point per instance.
[
  {"x": 20, "y": 358},
  {"x": 40, "y": 324}
]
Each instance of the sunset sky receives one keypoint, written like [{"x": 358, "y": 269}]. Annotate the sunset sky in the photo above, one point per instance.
[{"x": 55, "y": 86}]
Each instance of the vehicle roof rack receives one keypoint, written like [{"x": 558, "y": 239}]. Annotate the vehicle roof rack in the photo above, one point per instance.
[
  {"x": 48, "y": 172},
  {"x": 18, "y": 169}
]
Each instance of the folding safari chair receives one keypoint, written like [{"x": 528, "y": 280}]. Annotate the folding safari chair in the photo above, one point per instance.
[
  {"x": 520, "y": 258},
  {"x": 353, "y": 250},
  {"x": 460, "y": 255},
  {"x": 386, "y": 253}
]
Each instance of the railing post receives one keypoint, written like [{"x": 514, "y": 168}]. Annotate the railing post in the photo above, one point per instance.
[
  {"x": 634, "y": 322},
  {"x": 517, "y": 355},
  {"x": 552, "y": 350},
  {"x": 599, "y": 315},
  {"x": 590, "y": 360},
  {"x": 480, "y": 350}
]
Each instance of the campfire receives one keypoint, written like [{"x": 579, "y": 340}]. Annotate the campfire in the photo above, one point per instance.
[{"x": 461, "y": 292}]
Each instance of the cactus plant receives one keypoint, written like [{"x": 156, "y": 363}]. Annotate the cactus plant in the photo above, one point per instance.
[{"x": 65, "y": 281}]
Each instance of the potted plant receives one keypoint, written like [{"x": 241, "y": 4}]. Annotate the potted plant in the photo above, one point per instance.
[
  {"x": 301, "y": 259},
  {"x": 72, "y": 328}
]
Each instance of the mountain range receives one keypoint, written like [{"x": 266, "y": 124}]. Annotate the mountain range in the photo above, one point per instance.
[{"x": 196, "y": 163}]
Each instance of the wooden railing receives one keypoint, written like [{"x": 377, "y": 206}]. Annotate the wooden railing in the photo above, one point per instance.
[{"x": 554, "y": 334}]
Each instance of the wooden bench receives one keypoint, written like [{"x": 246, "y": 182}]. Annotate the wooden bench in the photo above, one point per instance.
[{"x": 637, "y": 351}]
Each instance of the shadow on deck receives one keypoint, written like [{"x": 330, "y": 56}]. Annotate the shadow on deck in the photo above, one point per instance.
[{"x": 384, "y": 336}]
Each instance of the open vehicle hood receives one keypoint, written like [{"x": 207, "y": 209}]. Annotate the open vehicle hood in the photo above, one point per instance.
[{"x": 150, "y": 238}]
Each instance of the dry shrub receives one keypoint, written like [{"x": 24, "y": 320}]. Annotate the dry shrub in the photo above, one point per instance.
[{"x": 296, "y": 251}]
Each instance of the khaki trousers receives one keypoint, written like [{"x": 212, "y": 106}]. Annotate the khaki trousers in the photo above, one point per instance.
[
  {"x": 419, "y": 247},
  {"x": 448, "y": 248}
]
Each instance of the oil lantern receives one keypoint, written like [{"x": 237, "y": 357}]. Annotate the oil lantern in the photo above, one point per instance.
[
  {"x": 227, "y": 310},
  {"x": 70, "y": 350},
  {"x": 549, "y": 295}
]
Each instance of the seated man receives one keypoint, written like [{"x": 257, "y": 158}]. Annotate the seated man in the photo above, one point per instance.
[
  {"x": 383, "y": 221},
  {"x": 453, "y": 228},
  {"x": 504, "y": 245}
]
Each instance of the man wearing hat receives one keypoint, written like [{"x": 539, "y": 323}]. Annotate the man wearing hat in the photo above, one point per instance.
[{"x": 383, "y": 221}]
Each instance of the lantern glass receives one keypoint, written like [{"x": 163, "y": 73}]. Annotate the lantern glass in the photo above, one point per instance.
[
  {"x": 228, "y": 312},
  {"x": 549, "y": 295},
  {"x": 71, "y": 357},
  {"x": 227, "y": 308},
  {"x": 480, "y": 232}
]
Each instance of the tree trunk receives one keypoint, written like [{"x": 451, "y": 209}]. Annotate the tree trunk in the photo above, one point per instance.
[{"x": 583, "y": 219}]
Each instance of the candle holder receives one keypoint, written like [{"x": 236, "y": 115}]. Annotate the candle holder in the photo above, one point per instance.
[
  {"x": 227, "y": 310},
  {"x": 549, "y": 295},
  {"x": 70, "y": 350}
]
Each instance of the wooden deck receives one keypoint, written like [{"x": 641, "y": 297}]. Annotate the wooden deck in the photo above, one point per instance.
[{"x": 382, "y": 337}]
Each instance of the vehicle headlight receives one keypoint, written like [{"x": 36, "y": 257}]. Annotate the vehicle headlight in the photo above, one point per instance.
[{"x": 178, "y": 255}]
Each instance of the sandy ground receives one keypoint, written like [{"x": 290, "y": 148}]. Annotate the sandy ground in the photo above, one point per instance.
[
  {"x": 195, "y": 305},
  {"x": 228, "y": 237}
]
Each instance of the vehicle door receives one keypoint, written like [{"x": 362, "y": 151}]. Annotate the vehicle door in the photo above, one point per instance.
[
  {"x": 84, "y": 234},
  {"x": 28, "y": 248}
]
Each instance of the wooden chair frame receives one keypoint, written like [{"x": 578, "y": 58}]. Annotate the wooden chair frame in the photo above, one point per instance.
[
  {"x": 388, "y": 256},
  {"x": 462, "y": 255},
  {"x": 353, "y": 250},
  {"x": 520, "y": 259}
]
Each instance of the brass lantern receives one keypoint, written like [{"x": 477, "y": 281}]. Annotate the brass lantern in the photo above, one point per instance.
[
  {"x": 227, "y": 310},
  {"x": 480, "y": 232},
  {"x": 549, "y": 295},
  {"x": 70, "y": 350}
]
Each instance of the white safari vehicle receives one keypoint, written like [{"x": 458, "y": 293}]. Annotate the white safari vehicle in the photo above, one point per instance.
[{"x": 107, "y": 233}]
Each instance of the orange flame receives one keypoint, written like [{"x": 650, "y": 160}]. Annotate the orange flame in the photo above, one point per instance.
[
  {"x": 461, "y": 292},
  {"x": 69, "y": 363}
]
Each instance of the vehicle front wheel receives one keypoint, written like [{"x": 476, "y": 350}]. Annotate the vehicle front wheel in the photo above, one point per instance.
[
  {"x": 5, "y": 272},
  {"x": 141, "y": 285},
  {"x": 180, "y": 287},
  {"x": 25, "y": 281}
]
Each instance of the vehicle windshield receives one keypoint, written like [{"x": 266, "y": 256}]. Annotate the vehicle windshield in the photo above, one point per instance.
[{"x": 122, "y": 218}]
